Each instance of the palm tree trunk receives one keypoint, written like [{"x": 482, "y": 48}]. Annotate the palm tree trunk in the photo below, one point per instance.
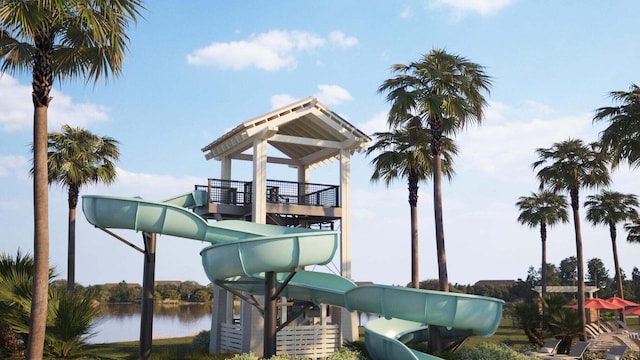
[
  {"x": 71, "y": 248},
  {"x": 543, "y": 267},
  {"x": 437, "y": 209},
  {"x": 575, "y": 205},
  {"x": 42, "y": 83},
  {"x": 413, "y": 204},
  {"x": 616, "y": 263},
  {"x": 38, "y": 320}
]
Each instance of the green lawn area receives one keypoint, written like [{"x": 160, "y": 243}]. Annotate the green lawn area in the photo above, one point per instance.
[
  {"x": 181, "y": 348},
  {"x": 174, "y": 348}
]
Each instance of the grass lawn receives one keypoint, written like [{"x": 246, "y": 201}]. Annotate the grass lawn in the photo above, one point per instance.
[
  {"x": 174, "y": 348},
  {"x": 181, "y": 348}
]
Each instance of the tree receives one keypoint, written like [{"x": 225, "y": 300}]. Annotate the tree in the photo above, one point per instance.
[
  {"x": 446, "y": 92},
  {"x": 543, "y": 209},
  {"x": 568, "y": 271},
  {"x": 66, "y": 40},
  {"x": 405, "y": 153},
  {"x": 622, "y": 137},
  {"x": 610, "y": 208},
  {"x": 570, "y": 166},
  {"x": 597, "y": 273},
  {"x": 78, "y": 157}
]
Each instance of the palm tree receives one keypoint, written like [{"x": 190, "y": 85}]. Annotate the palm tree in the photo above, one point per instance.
[
  {"x": 405, "y": 153},
  {"x": 622, "y": 137},
  {"x": 66, "y": 40},
  {"x": 78, "y": 157},
  {"x": 543, "y": 209},
  {"x": 446, "y": 92},
  {"x": 610, "y": 208},
  {"x": 569, "y": 166}
]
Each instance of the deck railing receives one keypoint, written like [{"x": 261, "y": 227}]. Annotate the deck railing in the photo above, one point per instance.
[{"x": 234, "y": 192}]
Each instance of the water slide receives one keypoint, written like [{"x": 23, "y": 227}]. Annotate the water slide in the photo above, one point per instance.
[{"x": 241, "y": 249}]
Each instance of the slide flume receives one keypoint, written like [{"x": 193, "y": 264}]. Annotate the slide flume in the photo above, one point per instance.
[{"x": 244, "y": 249}]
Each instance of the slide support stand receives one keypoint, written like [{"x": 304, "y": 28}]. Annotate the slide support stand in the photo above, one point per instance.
[
  {"x": 270, "y": 313},
  {"x": 146, "y": 321}
]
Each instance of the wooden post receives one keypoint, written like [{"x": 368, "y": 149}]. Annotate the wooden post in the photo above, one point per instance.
[
  {"x": 270, "y": 314},
  {"x": 148, "y": 281}
]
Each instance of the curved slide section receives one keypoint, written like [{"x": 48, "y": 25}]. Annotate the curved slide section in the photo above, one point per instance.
[{"x": 243, "y": 249}]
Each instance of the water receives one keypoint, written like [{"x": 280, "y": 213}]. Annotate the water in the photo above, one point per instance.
[{"x": 121, "y": 322}]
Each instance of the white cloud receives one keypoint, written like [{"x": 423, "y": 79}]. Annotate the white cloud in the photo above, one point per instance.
[
  {"x": 280, "y": 100},
  {"x": 13, "y": 164},
  {"x": 333, "y": 94},
  {"x": 482, "y": 7},
  {"x": 507, "y": 149},
  {"x": 405, "y": 12},
  {"x": 146, "y": 185},
  {"x": 17, "y": 108},
  {"x": 377, "y": 123},
  {"x": 342, "y": 40},
  {"x": 16, "y": 105},
  {"x": 269, "y": 51},
  {"x": 64, "y": 111}
]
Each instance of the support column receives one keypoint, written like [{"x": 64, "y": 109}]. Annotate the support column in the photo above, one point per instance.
[
  {"x": 148, "y": 281},
  {"x": 225, "y": 168},
  {"x": 222, "y": 314},
  {"x": 270, "y": 314},
  {"x": 259, "y": 186},
  {"x": 348, "y": 321},
  {"x": 253, "y": 329}
]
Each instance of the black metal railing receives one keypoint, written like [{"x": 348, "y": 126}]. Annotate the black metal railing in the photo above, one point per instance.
[{"x": 278, "y": 191}]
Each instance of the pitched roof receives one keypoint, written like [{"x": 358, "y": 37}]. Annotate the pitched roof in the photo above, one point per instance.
[
  {"x": 495, "y": 282},
  {"x": 306, "y": 132}
]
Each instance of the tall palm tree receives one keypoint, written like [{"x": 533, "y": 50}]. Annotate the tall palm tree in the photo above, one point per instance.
[
  {"x": 446, "y": 92},
  {"x": 406, "y": 153},
  {"x": 569, "y": 166},
  {"x": 66, "y": 40},
  {"x": 78, "y": 157},
  {"x": 622, "y": 137},
  {"x": 546, "y": 208},
  {"x": 610, "y": 208}
]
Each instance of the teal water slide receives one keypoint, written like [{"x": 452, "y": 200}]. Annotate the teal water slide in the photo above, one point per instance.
[{"x": 242, "y": 250}]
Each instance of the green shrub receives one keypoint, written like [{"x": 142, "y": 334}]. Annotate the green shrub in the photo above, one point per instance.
[
  {"x": 341, "y": 354},
  {"x": 490, "y": 351},
  {"x": 201, "y": 341}
]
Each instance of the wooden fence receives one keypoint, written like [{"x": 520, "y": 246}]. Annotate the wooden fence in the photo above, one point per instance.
[
  {"x": 313, "y": 341},
  {"x": 231, "y": 338},
  {"x": 309, "y": 342}
]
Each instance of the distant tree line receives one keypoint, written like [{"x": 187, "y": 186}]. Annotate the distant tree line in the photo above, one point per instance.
[
  {"x": 185, "y": 291},
  {"x": 563, "y": 274}
]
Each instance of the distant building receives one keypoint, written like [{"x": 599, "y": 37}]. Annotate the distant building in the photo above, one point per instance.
[
  {"x": 129, "y": 285},
  {"x": 156, "y": 283},
  {"x": 507, "y": 283}
]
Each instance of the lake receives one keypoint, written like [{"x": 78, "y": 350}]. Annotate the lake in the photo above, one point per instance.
[{"x": 121, "y": 322}]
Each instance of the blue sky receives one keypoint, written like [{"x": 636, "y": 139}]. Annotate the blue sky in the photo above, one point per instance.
[{"x": 197, "y": 69}]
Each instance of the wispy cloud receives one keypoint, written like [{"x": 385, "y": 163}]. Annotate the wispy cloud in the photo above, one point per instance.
[
  {"x": 270, "y": 51},
  {"x": 333, "y": 94},
  {"x": 14, "y": 165},
  {"x": 327, "y": 94},
  {"x": 17, "y": 108},
  {"x": 342, "y": 40},
  {"x": 280, "y": 100},
  {"x": 481, "y": 7},
  {"x": 16, "y": 105},
  {"x": 405, "y": 12}
]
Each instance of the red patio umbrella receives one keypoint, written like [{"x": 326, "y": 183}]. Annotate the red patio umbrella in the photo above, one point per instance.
[
  {"x": 621, "y": 302},
  {"x": 598, "y": 304},
  {"x": 632, "y": 311}
]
